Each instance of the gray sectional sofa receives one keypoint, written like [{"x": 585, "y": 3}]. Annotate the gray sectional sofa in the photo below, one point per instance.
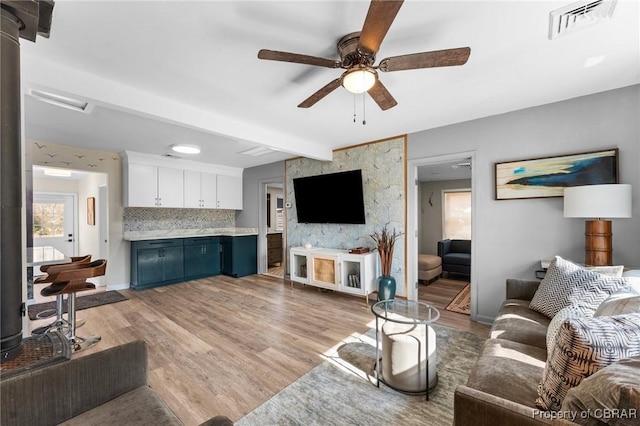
[
  {"x": 104, "y": 388},
  {"x": 502, "y": 386}
]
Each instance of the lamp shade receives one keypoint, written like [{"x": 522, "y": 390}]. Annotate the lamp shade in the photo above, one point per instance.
[{"x": 598, "y": 201}]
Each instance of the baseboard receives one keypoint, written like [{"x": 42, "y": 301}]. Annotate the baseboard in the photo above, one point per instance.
[
  {"x": 484, "y": 319},
  {"x": 123, "y": 286}
]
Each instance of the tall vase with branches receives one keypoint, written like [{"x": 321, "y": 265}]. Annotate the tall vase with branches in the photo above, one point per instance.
[{"x": 385, "y": 242}]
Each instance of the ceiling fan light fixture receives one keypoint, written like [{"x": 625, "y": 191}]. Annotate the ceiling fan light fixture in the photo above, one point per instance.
[
  {"x": 359, "y": 80},
  {"x": 185, "y": 148}
]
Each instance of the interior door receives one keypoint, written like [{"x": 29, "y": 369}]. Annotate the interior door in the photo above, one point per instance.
[{"x": 55, "y": 221}]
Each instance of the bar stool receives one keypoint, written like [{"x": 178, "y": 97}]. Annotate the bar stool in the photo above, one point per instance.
[
  {"x": 51, "y": 272},
  {"x": 70, "y": 282}
]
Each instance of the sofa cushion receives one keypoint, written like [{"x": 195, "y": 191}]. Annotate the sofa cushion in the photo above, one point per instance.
[
  {"x": 566, "y": 283},
  {"x": 457, "y": 258},
  {"x": 584, "y": 346},
  {"x": 518, "y": 323},
  {"x": 615, "y": 387},
  {"x": 141, "y": 406},
  {"x": 508, "y": 370},
  {"x": 624, "y": 301}
]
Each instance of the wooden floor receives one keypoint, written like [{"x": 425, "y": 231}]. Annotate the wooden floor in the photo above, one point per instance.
[{"x": 224, "y": 346}]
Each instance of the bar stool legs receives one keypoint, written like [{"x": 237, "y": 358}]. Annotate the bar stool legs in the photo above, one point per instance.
[
  {"x": 77, "y": 343},
  {"x": 60, "y": 323},
  {"x": 71, "y": 281}
]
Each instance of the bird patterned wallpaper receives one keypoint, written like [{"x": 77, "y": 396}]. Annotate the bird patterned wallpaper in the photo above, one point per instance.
[
  {"x": 383, "y": 177},
  {"x": 70, "y": 157}
]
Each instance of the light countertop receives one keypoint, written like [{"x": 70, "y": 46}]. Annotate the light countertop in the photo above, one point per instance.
[{"x": 188, "y": 233}]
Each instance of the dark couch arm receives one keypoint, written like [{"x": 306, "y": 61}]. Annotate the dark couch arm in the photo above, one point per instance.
[
  {"x": 444, "y": 247},
  {"x": 521, "y": 289},
  {"x": 54, "y": 394}
]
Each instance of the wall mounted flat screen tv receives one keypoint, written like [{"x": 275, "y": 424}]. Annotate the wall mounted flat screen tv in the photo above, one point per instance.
[{"x": 330, "y": 198}]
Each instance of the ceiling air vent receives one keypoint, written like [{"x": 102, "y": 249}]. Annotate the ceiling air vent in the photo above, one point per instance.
[
  {"x": 579, "y": 15},
  {"x": 169, "y": 155}
]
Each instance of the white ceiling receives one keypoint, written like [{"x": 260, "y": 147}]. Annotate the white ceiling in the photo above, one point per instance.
[{"x": 163, "y": 72}]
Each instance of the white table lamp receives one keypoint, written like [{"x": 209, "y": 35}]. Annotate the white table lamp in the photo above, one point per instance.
[{"x": 597, "y": 202}]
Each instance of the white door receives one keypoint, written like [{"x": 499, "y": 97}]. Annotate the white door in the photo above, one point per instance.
[{"x": 55, "y": 221}]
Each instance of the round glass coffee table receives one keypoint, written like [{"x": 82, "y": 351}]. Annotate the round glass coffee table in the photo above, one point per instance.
[{"x": 408, "y": 345}]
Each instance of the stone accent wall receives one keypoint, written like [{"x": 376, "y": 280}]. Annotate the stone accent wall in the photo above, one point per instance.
[{"x": 383, "y": 178}]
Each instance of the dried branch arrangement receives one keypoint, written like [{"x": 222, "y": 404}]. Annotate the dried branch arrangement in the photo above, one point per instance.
[{"x": 385, "y": 240}]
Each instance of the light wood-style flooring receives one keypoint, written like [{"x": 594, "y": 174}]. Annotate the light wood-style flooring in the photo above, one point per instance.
[{"x": 224, "y": 346}]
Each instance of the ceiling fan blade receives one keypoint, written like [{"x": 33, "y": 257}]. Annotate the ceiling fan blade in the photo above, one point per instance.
[
  {"x": 381, "y": 95},
  {"x": 274, "y": 55},
  {"x": 311, "y": 100},
  {"x": 379, "y": 18},
  {"x": 438, "y": 58}
]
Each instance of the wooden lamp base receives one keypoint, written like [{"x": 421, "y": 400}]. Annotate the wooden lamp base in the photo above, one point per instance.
[{"x": 598, "y": 243}]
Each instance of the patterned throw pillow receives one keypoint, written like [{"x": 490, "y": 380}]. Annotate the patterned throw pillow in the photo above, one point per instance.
[
  {"x": 583, "y": 346},
  {"x": 568, "y": 284},
  {"x": 554, "y": 326}
]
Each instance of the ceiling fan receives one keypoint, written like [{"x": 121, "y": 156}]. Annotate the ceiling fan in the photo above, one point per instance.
[{"x": 357, "y": 52}]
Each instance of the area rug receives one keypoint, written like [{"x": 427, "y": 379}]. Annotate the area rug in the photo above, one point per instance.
[
  {"x": 462, "y": 302},
  {"x": 82, "y": 302},
  {"x": 342, "y": 390}
]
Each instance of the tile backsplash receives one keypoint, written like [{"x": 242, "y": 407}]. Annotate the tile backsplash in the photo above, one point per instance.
[{"x": 152, "y": 219}]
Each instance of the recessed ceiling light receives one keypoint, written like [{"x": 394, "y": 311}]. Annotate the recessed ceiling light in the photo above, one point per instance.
[
  {"x": 57, "y": 172},
  {"x": 185, "y": 148}
]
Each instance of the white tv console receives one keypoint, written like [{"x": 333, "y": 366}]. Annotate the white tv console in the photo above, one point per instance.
[{"x": 335, "y": 269}]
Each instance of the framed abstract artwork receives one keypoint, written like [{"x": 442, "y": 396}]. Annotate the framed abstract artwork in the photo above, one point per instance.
[
  {"x": 91, "y": 211},
  {"x": 548, "y": 176}
]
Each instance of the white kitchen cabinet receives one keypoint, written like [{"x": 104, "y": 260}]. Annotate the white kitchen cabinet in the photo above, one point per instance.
[
  {"x": 170, "y": 187},
  {"x": 200, "y": 190},
  {"x": 151, "y": 186},
  {"x": 229, "y": 189},
  {"x": 155, "y": 181}
]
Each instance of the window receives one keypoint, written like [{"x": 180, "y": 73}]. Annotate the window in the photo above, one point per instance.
[
  {"x": 456, "y": 214},
  {"x": 48, "y": 220}
]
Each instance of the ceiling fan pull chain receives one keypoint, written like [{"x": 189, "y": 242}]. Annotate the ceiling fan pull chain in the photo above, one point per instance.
[
  {"x": 364, "y": 115},
  {"x": 354, "y": 107}
]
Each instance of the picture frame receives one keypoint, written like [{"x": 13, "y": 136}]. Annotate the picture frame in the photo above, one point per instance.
[
  {"x": 548, "y": 176},
  {"x": 91, "y": 211}
]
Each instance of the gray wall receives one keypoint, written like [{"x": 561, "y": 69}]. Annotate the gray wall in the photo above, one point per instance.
[
  {"x": 513, "y": 235},
  {"x": 430, "y": 216},
  {"x": 251, "y": 203}
]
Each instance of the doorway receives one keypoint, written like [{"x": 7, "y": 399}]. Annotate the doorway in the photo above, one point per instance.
[
  {"x": 274, "y": 231},
  {"x": 55, "y": 221},
  {"x": 435, "y": 177}
]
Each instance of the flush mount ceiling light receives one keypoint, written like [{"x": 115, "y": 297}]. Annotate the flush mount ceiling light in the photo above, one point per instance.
[
  {"x": 61, "y": 101},
  {"x": 359, "y": 80},
  {"x": 185, "y": 148},
  {"x": 57, "y": 172}
]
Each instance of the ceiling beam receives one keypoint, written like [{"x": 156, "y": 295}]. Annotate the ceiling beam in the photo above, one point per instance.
[{"x": 41, "y": 74}]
